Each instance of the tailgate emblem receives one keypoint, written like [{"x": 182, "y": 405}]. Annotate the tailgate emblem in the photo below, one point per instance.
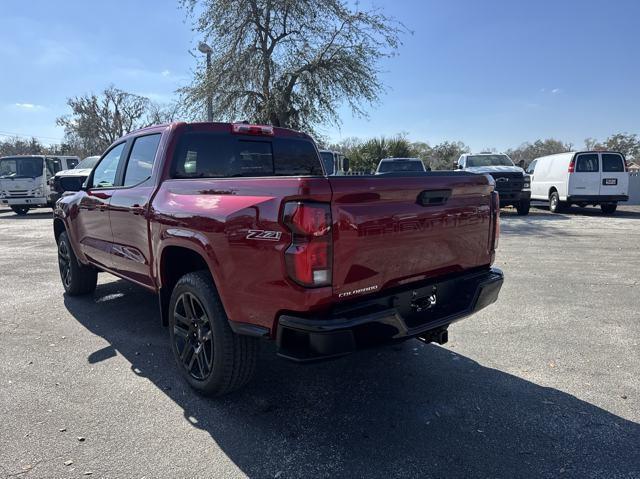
[{"x": 264, "y": 235}]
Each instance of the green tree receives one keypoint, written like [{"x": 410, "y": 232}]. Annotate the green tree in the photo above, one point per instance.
[
  {"x": 446, "y": 153},
  {"x": 626, "y": 143},
  {"x": 289, "y": 63}
]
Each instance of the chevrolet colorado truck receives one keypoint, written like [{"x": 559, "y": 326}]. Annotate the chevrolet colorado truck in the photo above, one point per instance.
[
  {"x": 243, "y": 235},
  {"x": 512, "y": 183}
]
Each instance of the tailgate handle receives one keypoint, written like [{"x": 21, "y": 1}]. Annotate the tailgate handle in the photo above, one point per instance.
[{"x": 433, "y": 197}]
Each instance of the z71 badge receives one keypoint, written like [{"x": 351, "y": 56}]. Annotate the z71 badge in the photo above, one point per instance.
[{"x": 264, "y": 235}]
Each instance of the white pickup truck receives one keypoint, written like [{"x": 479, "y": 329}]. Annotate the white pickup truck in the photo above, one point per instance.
[{"x": 24, "y": 180}]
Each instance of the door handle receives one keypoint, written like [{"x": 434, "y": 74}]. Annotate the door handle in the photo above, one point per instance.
[{"x": 137, "y": 209}]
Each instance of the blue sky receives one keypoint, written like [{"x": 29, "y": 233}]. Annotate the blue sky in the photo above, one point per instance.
[{"x": 490, "y": 73}]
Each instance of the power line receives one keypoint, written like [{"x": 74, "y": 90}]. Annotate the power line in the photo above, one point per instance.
[{"x": 9, "y": 134}]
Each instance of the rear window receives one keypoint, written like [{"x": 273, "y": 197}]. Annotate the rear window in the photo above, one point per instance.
[
  {"x": 612, "y": 162},
  {"x": 488, "y": 160},
  {"x": 400, "y": 165},
  {"x": 214, "y": 155},
  {"x": 327, "y": 159},
  {"x": 587, "y": 163}
]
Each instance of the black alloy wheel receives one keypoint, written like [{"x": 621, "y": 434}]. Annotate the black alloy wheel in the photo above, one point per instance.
[
  {"x": 64, "y": 263},
  {"x": 193, "y": 336}
]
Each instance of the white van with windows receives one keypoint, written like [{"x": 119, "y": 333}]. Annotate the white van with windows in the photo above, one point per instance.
[
  {"x": 580, "y": 178},
  {"x": 24, "y": 180}
]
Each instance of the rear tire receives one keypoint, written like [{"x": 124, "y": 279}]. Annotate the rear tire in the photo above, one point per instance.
[
  {"x": 555, "y": 205},
  {"x": 523, "y": 207},
  {"x": 76, "y": 278},
  {"x": 20, "y": 210},
  {"x": 609, "y": 208},
  {"x": 211, "y": 357}
]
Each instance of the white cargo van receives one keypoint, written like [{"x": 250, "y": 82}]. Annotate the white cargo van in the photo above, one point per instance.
[
  {"x": 24, "y": 180},
  {"x": 581, "y": 178}
]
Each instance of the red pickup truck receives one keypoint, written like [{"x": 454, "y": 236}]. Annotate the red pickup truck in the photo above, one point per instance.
[{"x": 243, "y": 236}]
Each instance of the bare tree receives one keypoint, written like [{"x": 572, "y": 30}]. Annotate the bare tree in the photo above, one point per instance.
[
  {"x": 97, "y": 121},
  {"x": 527, "y": 152},
  {"x": 288, "y": 62}
]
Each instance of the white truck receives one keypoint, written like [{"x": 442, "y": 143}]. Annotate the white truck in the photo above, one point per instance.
[
  {"x": 581, "y": 178},
  {"x": 24, "y": 180}
]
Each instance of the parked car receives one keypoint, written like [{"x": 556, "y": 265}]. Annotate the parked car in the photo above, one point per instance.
[
  {"x": 582, "y": 178},
  {"x": 512, "y": 183},
  {"x": 243, "y": 236},
  {"x": 80, "y": 173},
  {"x": 334, "y": 162},
  {"x": 394, "y": 165},
  {"x": 24, "y": 180}
]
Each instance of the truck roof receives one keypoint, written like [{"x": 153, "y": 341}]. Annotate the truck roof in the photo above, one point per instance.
[{"x": 221, "y": 127}]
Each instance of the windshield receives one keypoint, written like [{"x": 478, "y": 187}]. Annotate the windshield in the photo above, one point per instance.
[
  {"x": 88, "y": 162},
  {"x": 327, "y": 160},
  {"x": 400, "y": 165},
  {"x": 488, "y": 160},
  {"x": 22, "y": 167}
]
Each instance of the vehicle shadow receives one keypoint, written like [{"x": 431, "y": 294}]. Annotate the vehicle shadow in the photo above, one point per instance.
[
  {"x": 623, "y": 211},
  {"x": 405, "y": 411},
  {"x": 540, "y": 224},
  {"x": 35, "y": 215}
]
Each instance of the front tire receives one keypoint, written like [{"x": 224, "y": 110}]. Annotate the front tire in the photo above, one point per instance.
[
  {"x": 523, "y": 207},
  {"x": 609, "y": 208},
  {"x": 76, "y": 278},
  {"x": 20, "y": 210},
  {"x": 211, "y": 357}
]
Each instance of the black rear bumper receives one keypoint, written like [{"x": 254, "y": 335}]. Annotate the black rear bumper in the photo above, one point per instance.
[
  {"x": 415, "y": 310},
  {"x": 596, "y": 199}
]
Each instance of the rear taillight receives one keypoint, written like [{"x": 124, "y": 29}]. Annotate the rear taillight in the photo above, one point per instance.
[
  {"x": 245, "y": 129},
  {"x": 572, "y": 165},
  {"x": 495, "y": 214},
  {"x": 308, "y": 258}
]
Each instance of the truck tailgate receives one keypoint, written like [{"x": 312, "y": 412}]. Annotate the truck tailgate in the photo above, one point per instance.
[{"x": 390, "y": 231}]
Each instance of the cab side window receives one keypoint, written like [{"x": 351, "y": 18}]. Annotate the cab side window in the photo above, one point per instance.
[
  {"x": 53, "y": 166},
  {"x": 104, "y": 175},
  {"x": 532, "y": 167},
  {"x": 140, "y": 164}
]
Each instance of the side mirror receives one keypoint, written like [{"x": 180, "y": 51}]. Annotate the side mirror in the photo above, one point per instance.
[
  {"x": 346, "y": 164},
  {"x": 71, "y": 183}
]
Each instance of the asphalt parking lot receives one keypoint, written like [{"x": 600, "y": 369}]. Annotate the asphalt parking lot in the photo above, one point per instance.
[{"x": 545, "y": 383}]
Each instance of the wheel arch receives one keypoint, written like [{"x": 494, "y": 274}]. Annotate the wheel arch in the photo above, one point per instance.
[
  {"x": 174, "y": 261},
  {"x": 58, "y": 228}
]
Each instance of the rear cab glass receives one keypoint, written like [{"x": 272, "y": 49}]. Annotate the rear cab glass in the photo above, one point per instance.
[
  {"x": 400, "y": 165},
  {"x": 220, "y": 155},
  {"x": 488, "y": 160},
  {"x": 327, "y": 159},
  {"x": 612, "y": 163}
]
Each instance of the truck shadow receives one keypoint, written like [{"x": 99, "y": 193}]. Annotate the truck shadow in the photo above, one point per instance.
[
  {"x": 405, "y": 411},
  {"x": 32, "y": 215}
]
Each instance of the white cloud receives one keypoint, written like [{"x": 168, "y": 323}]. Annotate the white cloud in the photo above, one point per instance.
[
  {"x": 555, "y": 90},
  {"x": 28, "y": 106},
  {"x": 165, "y": 73}
]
